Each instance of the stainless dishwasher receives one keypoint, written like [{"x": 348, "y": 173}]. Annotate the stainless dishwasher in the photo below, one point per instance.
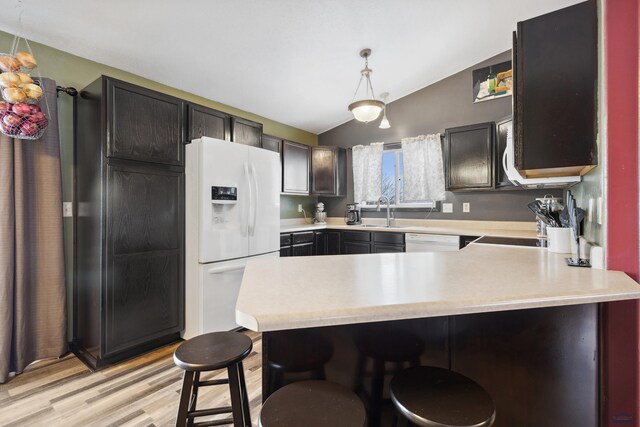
[{"x": 416, "y": 242}]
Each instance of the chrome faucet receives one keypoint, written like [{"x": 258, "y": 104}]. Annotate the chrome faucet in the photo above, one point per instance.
[{"x": 382, "y": 199}]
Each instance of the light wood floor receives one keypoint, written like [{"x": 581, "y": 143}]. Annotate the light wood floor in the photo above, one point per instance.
[{"x": 140, "y": 392}]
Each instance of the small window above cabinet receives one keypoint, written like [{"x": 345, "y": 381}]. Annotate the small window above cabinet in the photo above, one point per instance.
[
  {"x": 204, "y": 121},
  {"x": 469, "y": 161},
  {"x": 246, "y": 132},
  {"x": 295, "y": 168},
  {"x": 328, "y": 171}
]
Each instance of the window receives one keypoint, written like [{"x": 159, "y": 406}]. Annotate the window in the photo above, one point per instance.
[{"x": 392, "y": 183}]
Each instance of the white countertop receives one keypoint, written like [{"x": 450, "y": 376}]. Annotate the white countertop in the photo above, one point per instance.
[
  {"x": 299, "y": 292},
  {"x": 452, "y": 227}
]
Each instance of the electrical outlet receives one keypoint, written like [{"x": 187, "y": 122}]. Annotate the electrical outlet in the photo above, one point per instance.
[
  {"x": 67, "y": 209},
  {"x": 299, "y": 208},
  {"x": 466, "y": 207},
  {"x": 447, "y": 207}
]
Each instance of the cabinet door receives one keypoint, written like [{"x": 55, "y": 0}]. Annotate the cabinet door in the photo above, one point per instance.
[
  {"x": 323, "y": 171},
  {"x": 501, "y": 145},
  {"x": 544, "y": 343},
  {"x": 205, "y": 121},
  {"x": 295, "y": 168},
  {"x": 556, "y": 76},
  {"x": 380, "y": 248},
  {"x": 144, "y": 125},
  {"x": 305, "y": 249},
  {"x": 355, "y": 248},
  {"x": 285, "y": 251},
  {"x": 246, "y": 132},
  {"x": 271, "y": 143},
  {"x": 327, "y": 243},
  {"x": 469, "y": 159},
  {"x": 144, "y": 295}
]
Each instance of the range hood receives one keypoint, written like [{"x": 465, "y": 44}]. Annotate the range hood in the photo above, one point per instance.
[{"x": 532, "y": 183}]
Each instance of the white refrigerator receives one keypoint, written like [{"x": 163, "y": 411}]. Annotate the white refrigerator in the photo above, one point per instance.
[{"x": 232, "y": 215}]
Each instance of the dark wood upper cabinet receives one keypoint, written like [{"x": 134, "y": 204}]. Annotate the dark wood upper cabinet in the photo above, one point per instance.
[
  {"x": 246, "y": 132},
  {"x": 555, "y": 79},
  {"x": 204, "y": 121},
  {"x": 295, "y": 168},
  {"x": 469, "y": 157},
  {"x": 271, "y": 143},
  {"x": 143, "y": 125},
  {"x": 328, "y": 171}
]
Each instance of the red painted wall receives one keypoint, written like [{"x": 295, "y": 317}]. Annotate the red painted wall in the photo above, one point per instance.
[{"x": 621, "y": 321}]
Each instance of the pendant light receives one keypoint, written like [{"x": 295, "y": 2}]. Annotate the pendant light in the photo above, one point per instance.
[
  {"x": 369, "y": 108},
  {"x": 384, "y": 123}
]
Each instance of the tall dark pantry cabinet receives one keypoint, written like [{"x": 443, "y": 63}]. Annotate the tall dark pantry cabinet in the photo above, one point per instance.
[{"x": 130, "y": 227}]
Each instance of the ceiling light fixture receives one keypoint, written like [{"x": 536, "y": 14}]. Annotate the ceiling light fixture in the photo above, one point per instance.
[
  {"x": 384, "y": 123},
  {"x": 369, "y": 108}
]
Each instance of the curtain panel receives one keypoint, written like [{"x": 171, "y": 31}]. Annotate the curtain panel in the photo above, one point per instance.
[
  {"x": 367, "y": 171},
  {"x": 423, "y": 168},
  {"x": 32, "y": 281}
]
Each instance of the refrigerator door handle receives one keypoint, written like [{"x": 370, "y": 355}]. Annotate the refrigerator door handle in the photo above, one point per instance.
[
  {"x": 254, "y": 203},
  {"x": 218, "y": 270},
  {"x": 244, "y": 227}
]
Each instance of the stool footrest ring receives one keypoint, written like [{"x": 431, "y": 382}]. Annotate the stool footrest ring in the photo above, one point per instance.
[
  {"x": 212, "y": 411},
  {"x": 213, "y": 382}
]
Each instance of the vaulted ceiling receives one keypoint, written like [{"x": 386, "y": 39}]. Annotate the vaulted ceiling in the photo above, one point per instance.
[{"x": 292, "y": 61}]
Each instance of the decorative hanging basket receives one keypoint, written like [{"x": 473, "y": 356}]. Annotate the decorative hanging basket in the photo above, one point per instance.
[{"x": 21, "y": 115}]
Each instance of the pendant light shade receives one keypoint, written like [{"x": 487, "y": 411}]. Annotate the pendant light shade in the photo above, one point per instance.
[
  {"x": 368, "y": 108},
  {"x": 384, "y": 123}
]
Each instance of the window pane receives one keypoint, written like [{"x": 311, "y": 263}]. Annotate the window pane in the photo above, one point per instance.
[{"x": 389, "y": 176}]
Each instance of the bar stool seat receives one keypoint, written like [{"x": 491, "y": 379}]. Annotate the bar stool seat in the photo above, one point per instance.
[
  {"x": 313, "y": 403},
  {"x": 210, "y": 352},
  {"x": 429, "y": 396},
  {"x": 295, "y": 352}
]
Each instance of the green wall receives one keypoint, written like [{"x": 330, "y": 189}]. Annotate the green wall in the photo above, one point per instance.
[
  {"x": 71, "y": 70},
  {"x": 289, "y": 206}
]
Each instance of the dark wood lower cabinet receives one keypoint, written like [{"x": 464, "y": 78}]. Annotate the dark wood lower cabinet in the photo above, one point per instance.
[
  {"x": 305, "y": 249},
  {"x": 352, "y": 248},
  {"x": 540, "y": 366},
  {"x": 327, "y": 243},
  {"x": 334, "y": 242}
]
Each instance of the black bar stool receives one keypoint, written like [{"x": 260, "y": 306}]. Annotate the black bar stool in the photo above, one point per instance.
[
  {"x": 395, "y": 347},
  {"x": 314, "y": 403},
  {"x": 210, "y": 352},
  {"x": 429, "y": 396},
  {"x": 297, "y": 352}
]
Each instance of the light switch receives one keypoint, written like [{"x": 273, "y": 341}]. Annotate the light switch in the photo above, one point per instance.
[
  {"x": 590, "y": 210},
  {"x": 447, "y": 207},
  {"x": 466, "y": 207},
  {"x": 67, "y": 209}
]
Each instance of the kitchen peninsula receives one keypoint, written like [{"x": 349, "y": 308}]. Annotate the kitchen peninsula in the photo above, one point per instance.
[{"x": 515, "y": 319}]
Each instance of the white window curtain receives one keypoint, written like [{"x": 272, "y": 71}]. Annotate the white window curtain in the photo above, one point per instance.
[
  {"x": 367, "y": 171},
  {"x": 423, "y": 169}
]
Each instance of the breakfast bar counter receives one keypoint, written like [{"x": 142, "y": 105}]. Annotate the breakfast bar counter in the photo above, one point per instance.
[
  {"x": 300, "y": 292},
  {"x": 514, "y": 319}
]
